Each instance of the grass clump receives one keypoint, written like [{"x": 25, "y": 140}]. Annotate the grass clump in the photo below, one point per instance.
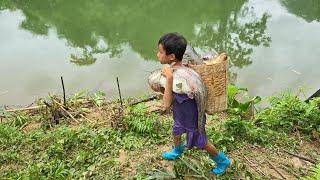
[{"x": 289, "y": 114}]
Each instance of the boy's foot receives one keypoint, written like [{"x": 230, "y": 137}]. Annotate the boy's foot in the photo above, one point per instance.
[
  {"x": 175, "y": 153},
  {"x": 222, "y": 162}
]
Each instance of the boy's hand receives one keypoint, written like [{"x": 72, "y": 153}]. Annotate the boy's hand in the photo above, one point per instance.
[
  {"x": 156, "y": 87},
  {"x": 167, "y": 71},
  {"x": 155, "y": 107},
  {"x": 190, "y": 65}
]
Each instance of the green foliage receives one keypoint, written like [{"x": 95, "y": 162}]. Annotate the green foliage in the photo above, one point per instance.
[
  {"x": 10, "y": 137},
  {"x": 287, "y": 114},
  {"x": 19, "y": 119},
  {"x": 131, "y": 141},
  {"x": 144, "y": 123},
  {"x": 247, "y": 131},
  {"x": 237, "y": 107},
  {"x": 59, "y": 154},
  {"x": 162, "y": 174},
  {"x": 232, "y": 92},
  {"x": 235, "y": 132},
  {"x": 188, "y": 167},
  {"x": 315, "y": 175},
  {"x": 70, "y": 153},
  {"x": 198, "y": 166},
  {"x": 55, "y": 169},
  {"x": 220, "y": 139},
  {"x": 98, "y": 98},
  {"x": 77, "y": 99},
  {"x": 183, "y": 168}
]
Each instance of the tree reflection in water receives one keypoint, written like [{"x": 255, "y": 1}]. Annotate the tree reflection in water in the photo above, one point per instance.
[
  {"x": 309, "y": 10},
  {"x": 101, "y": 26}
]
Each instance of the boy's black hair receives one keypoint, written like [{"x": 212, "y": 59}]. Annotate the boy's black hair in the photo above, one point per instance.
[{"x": 174, "y": 43}]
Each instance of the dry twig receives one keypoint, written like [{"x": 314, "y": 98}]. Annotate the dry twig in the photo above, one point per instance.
[
  {"x": 61, "y": 106},
  {"x": 254, "y": 167},
  {"x": 275, "y": 169},
  {"x": 24, "y": 109},
  {"x": 290, "y": 171},
  {"x": 152, "y": 97},
  {"x": 301, "y": 157}
]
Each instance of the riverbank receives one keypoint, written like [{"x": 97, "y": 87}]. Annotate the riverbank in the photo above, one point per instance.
[{"x": 89, "y": 137}]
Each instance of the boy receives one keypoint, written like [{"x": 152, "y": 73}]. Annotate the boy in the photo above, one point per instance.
[{"x": 171, "y": 48}]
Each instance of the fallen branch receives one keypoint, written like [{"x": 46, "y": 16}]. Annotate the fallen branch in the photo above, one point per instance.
[
  {"x": 47, "y": 104},
  {"x": 307, "y": 169},
  {"x": 86, "y": 118},
  {"x": 301, "y": 157},
  {"x": 59, "y": 103},
  {"x": 254, "y": 167},
  {"x": 23, "y": 126},
  {"x": 290, "y": 171},
  {"x": 143, "y": 100},
  {"x": 275, "y": 169},
  {"x": 23, "y": 109},
  {"x": 62, "y": 107},
  {"x": 69, "y": 114}
]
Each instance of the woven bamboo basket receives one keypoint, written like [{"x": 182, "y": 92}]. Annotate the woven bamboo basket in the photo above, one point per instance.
[{"x": 214, "y": 76}]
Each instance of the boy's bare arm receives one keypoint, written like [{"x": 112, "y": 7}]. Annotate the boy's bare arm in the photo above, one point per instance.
[{"x": 167, "y": 96}]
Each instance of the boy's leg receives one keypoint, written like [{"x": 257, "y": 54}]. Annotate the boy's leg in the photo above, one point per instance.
[
  {"x": 176, "y": 151},
  {"x": 211, "y": 149},
  {"x": 176, "y": 140},
  {"x": 220, "y": 158}
]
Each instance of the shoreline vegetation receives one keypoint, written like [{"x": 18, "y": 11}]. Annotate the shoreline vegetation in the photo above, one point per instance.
[{"x": 85, "y": 136}]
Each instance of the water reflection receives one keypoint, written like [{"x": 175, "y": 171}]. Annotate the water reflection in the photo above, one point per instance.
[
  {"x": 235, "y": 37},
  {"x": 309, "y": 10},
  {"x": 84, "y": 24}
]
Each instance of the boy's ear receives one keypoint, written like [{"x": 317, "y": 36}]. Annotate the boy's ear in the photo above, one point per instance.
[{"x": 172, "y": 57}]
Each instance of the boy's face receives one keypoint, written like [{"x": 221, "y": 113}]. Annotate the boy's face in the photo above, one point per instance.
[{"x": 163, "y": 57}]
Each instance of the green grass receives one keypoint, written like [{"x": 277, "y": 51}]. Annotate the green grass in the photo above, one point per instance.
[
  {"x": 73, "y": 152},
  {"x": 288, "y": 114},
  {"x": 315, "y": 175}
]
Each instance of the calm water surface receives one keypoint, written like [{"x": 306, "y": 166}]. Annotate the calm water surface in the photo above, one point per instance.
[{"x": 273, "y": 44}]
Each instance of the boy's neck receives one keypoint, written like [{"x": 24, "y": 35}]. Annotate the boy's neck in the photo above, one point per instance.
[{"x": 176, "y": 64}]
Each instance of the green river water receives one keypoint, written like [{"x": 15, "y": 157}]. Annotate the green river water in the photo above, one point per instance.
[{"x": 273, "y": 44}]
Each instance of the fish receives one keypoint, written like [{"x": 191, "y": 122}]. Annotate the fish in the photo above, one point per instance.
[
  {"x": 191, "y": 56},
  {"x": 217, "y": 59},
  {"x": 185, "y": 81}
]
